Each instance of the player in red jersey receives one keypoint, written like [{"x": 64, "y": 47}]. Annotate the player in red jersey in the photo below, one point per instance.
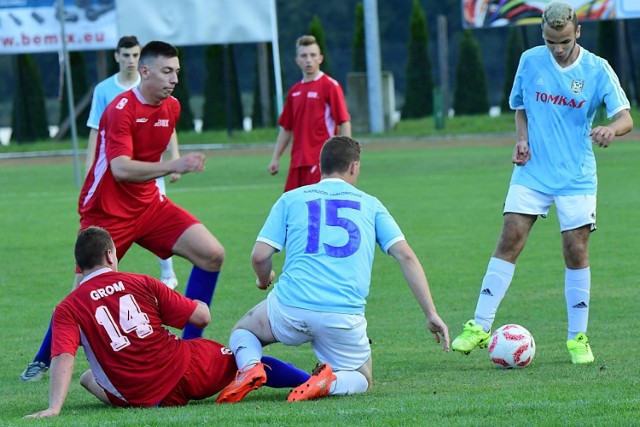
[
  {"x": 314, "y": 111},
  {"x": 135, "y": 362},
  {"x": 120, "y": 193}
]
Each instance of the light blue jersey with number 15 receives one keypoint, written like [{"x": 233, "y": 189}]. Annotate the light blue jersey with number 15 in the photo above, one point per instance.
[{"x": 330, "y": 231}]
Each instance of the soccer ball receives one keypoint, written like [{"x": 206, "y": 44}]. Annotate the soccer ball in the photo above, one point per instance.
[{"x": 511, "y": 346}]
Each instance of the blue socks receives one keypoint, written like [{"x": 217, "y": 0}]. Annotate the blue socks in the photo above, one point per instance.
[
  {"x": 282, "y": 374},
  {"x": 44, "y": 354},
  {"x": 200, "y": 286}
]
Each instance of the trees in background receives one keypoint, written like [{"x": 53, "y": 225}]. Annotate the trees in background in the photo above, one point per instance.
[
  {"x": 315, "y": 29},
  {"x": 81, "y": 95},
  {"x": 29, "y": 116},
  {"x": 418, "y": 99},
  {"x": 471, "y": 96},
  {"x": 359, "y": 53},
  {"x": 222, "y": 108},
  {"x": 181, "y": 93},
  {"x": 515, "y": 47}
]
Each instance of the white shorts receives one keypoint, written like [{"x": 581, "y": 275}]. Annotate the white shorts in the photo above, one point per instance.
[
  {"x": 337, "y": 339},
  {"x": 573, "y": 211}
]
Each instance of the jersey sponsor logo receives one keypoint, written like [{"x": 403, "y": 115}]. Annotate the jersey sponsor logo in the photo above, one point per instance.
[
  {"x": 549, "y": 98},
  {"x": 296, "y": 93},
  {"x": 312, "y": 94},
  {"x": 122, "y": 103},
  {"x": 577, "y": 86},
  {"x": 142, "y": 120},
  {"x": 106, "y": 291},
  {"x": 162, "y": 123}
]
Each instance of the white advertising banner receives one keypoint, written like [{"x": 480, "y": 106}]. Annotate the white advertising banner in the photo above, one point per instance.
[
  {"x": 32, "y": 26},
  {"x": 196, "y": 22}
]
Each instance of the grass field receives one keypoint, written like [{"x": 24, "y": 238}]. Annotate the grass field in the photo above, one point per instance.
[{"x": 448, "y": 202}]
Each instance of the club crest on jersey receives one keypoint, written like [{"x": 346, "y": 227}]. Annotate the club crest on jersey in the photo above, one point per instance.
[
  {"x": 577, "y": 85},
  {"x": 162, "y": 123}
]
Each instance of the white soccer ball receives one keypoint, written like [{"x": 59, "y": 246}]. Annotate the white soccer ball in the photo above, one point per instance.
[{"x": 511, "y": 346}]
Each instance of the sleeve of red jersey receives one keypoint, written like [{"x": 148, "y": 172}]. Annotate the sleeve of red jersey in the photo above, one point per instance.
[
  {"x": 338, "y": 105},
  {"x": 118, "y": 128},
  {"x": 66, "y": 331},
  {"x": 286, "y": 117},
  {"x": 175, "y": 309}
]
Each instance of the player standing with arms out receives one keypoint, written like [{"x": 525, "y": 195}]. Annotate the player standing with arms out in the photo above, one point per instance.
[
  {"x": 314, "y": 111},
  {"x": 330, "y": 230},
  {"x": 127, "y": 55},
  {"x": 556, "y": 93},
  {"x": 118, "y": 318},
  {"x": 120, "y": 193}
]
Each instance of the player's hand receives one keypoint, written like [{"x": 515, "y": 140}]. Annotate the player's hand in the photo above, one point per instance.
[
  {"x": 439, "y": 330},
  {"x": 174, "y": 177},
  {"x": 602, "y": 136},
  {"x": 274, "y": 167},
  {"x": 521, "y": 153},
  {"x": 265, "y": 286},
  {"x": 44, "y": 414},
  {"x": 191, "y": 162}
]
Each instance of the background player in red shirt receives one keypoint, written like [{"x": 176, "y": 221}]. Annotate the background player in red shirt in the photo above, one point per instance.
[
  {"x": 120, "y": 193},
  {"x": 118, "y": 318},
  {"x": 314, "y": 111}
]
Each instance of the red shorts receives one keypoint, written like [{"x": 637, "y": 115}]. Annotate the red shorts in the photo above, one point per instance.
[
  {"x": 157, "y": 229},
  {"x": 304, "y": 175},
  {"x": 212, "y": 368}
]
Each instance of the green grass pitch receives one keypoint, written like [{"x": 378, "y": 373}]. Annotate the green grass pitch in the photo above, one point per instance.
[{"x": 448, "y": 203}]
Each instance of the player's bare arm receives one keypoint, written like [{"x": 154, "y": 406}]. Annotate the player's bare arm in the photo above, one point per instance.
[
  {"x": 61, "y": 374},
  {"x": 284, "y": 137},
  {"x": 201, "y": 316},
  {"x": 417, "y": 281},
  {"x": 91, "y": 151},
  {"x": 128, "y": 170},
  {"x": 175, "y": 154},
  {"x": 603, "y": 135},
  {"x": 262, "y": 264},
  {"x": 344, "y": 128},
  {"x": 521, "y": 153}
]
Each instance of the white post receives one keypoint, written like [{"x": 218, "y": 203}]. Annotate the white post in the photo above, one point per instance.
[
  {"x": 70, "y": 100},
  {"x": 374, "y": 71}
]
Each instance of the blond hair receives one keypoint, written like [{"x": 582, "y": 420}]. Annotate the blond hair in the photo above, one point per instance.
[
  {"x": 306, "y": 40},
  {"x": 558, "y": 14}
]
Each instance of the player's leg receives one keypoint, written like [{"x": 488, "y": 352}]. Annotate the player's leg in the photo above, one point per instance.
[
  {"x": 246, "y": 341},
  {"x": 576, "y": 215},
  {"x": 342, "y": 346},
  {"x": 522, "y": 206},
  {"x": 36, "y": 370},
  {"x": 200, "y": 247},
  {"x": 88, "y": 381},
  {"x": 167, "y": 275}
]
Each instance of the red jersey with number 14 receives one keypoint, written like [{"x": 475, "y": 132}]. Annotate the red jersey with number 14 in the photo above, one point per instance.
[
  {"x": 128, "y": 127},
  {"x": 118, "y": 317}
]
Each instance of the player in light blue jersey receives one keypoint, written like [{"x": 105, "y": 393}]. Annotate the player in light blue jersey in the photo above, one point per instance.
[
  {"x": 557, "y": 90},
  {"x": 330, "y": 230}
]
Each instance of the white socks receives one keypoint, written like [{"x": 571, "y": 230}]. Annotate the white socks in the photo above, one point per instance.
[
  {"x": 348, "y": 382},
  {"x": 166, "y": 267},
  {"x": 246, "y": 348},
  {"x": 577, "y": 285},
  {"x": 494, "y": 286}
]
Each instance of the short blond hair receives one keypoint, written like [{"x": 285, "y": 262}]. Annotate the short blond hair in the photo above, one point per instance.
[
  {"x": 558, "y": 14},
  {"x": 306, "y": 40}
]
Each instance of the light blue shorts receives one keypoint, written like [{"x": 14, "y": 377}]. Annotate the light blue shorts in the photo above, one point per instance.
[
  {"x": 337, "y": 339},
  {"x": 573, "y": 211}
]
